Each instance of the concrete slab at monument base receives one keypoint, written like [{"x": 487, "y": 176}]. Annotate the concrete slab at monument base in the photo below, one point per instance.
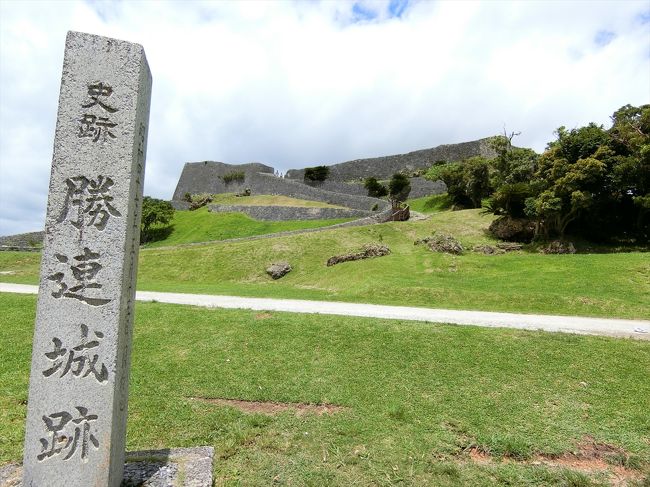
[{"x": 174, "y": 467}]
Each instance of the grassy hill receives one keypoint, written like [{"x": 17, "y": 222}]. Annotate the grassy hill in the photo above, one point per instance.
[
  {"x": 203, "y": 226},
  {"x": 268, "y": 200},
  {"x": 589, "y": 284}
]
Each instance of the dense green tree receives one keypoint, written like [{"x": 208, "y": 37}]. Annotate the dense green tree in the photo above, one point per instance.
[
  {"x": 399, "y": 189},
  {"x": 452, "y": 175},
  {"x": 511, "y": 165},
  {"x": 476, "y": 177},
  {"x": 375, "y": 188},
  {"x": 155, "y": 212},
  {"x": 467, "y": 182},
  {"x": 594, "y": 181},
  {"x": 316, "y": 174}
]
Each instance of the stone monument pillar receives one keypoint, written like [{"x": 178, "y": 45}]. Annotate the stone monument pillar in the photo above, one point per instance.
[{"x": 76, "y": 414}]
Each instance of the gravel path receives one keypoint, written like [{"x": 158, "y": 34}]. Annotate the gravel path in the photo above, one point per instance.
[{"x": 567, "y": 324}]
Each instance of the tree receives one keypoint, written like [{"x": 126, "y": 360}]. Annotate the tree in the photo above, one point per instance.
[
  {"x": 467, "y": 182},
  {"x": 155, "y": 212},
  {"x": 452, "y": 175},
  {"x": 375, "y": 188},
  {"x": 595, "y": 181},
  {"x": 399, "y": 189},
  {"x": 476, "y": 177},
  {"x": 511, "y": 165},
  {"x": 316, "y": 174}
]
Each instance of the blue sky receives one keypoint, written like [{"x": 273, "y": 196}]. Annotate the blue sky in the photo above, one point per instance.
[{"x": 293, "y": 84}]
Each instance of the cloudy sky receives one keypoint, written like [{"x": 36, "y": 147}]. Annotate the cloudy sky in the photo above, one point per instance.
[{"x": 299, "y": 83}]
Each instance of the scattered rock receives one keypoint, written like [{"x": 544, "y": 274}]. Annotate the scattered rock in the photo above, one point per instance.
[
  {"x": 278, "y": 269},
  {"x": 199, "y": 201},
  {"x": 510, "y": 246},
  {"x": 512, "y": 229},
  {"x": 559, "y": 247},
  {"x": 488, "y": 250},
  {"x": 442, "y": 242},
  {"x": 367, "y": 251}
]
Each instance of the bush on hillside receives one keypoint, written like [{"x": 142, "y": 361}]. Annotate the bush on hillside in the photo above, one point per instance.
[
  {"x": 316, "y": 174},
  {"x": 155, "y": 213},
  {"x": 375, "y": 188}
]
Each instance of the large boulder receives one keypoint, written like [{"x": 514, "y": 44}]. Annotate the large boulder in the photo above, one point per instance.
[
  {"x": 278, "y": 269},
  {"x": 513, "y": 229}
]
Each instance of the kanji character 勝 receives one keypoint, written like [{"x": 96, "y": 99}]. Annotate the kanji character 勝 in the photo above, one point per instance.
[
  {"x": 78, "y": 361},
  {"x": 60, "y": 440},
  {"x": 84, "y": 274},
  {"x": 92, "y": 199}
]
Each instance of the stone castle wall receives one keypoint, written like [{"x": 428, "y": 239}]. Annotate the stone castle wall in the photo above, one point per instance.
[
  {"x": 205, "y": 177},
  {"x": 385, "y": 167}
]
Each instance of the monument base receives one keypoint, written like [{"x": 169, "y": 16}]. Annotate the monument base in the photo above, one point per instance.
[{"x": 182, "y": 467}]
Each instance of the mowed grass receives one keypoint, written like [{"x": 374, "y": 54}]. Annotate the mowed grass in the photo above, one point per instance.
[
  {"x": 430, "y": 204},
  {"x": 599, "y": 284},
  {"x": 268, "y": 200},
  {"x": 416, "y": 397},
  {"x": 203, "y": 226}
]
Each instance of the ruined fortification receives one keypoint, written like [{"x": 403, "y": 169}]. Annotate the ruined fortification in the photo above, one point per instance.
[
  {"x": 412, "y": 162},
  {"x": 344, "y": 185}
]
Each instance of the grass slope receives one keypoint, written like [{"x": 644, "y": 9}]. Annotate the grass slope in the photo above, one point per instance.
[
  {"x": 268, "y": 200},
  {"x": 608, "y": 285},
  {"x": 203, "y": 226},
  {"x": 416, "y": 396}
]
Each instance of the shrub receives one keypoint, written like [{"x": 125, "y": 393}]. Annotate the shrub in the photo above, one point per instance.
[
  {"x": 234, "y": 176},
  {"x": 316, "y": 174},
  {"x": 154, "y": 212},
  {"x": 399, "y": 188},
  {"x": 375, "y": 188}
]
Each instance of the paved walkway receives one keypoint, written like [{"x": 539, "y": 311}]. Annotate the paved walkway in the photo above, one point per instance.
[{"x": 567, "y": 324}]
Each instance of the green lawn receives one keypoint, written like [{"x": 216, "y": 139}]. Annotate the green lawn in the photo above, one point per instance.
[
  {"x": 430, "y": 204},
  {"x": 416, "y": 396},
  {"x": 203, "y": 226},
  {"x": 598, "y": 284},
  {"x": 268, "y": 200}
]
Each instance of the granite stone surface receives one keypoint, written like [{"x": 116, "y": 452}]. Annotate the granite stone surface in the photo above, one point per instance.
[
  {"x": 174, "y": 467},
  {"x": 77, "y": 408},
  {"x": 384, "y": 167}
]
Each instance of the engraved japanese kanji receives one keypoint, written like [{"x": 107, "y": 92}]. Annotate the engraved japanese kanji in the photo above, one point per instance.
[
  {"x": 92, "y": 201},
  {"x": 61, "y": 439},
  {"x": 85, "y": 268},
  {"x": 97, "y": 126},
  {"x": 77, "y": 360}
]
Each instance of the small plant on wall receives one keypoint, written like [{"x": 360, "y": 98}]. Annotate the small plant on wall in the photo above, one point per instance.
[{"x": 233, "y": 177}]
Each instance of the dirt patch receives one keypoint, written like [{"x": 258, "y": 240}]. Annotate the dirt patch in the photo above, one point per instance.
[
  {"x": 271, "y": 408},
  {"x": 589, "y": 457},
  {"x": 263, "y": 316}
]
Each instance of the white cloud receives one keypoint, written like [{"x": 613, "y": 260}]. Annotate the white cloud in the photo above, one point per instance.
[{"x": 298, "y": 83}]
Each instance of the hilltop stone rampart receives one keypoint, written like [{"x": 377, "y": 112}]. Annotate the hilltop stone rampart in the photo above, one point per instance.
[
  {"x": 206, "y": 177},
  {"x": 384, "y": 167}
]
